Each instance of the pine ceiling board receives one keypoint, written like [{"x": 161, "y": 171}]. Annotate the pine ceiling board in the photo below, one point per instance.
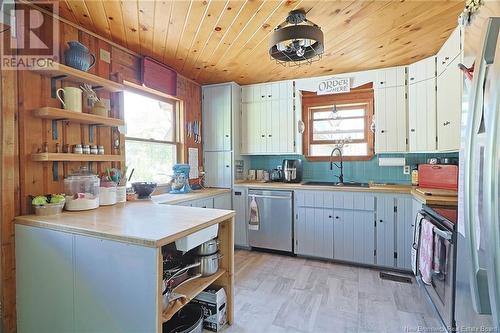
[
  {"x": 314, "y": 9},
  {"x": 249, "y": 10},
  {"x": 81, "y": 13},
  {"x": 163, "y": 11},
  {"x": 64, "y": 10},
  {"x": 178, "y": 20},
  {"x": 229, "y": 57},
  {"x": 228, "y": 16},
  {"x": 147, "y": 16},
  {"x": 130, "y": 16},
  {"x": 96, "y": 10},
  {"x": 115, "y": 21},
  {"x": 211, "y": 17},
  {"x": 191, "y": 30}
]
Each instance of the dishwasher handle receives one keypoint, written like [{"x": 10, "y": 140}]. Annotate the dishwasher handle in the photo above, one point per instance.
[{"x": 268, "y": 196}]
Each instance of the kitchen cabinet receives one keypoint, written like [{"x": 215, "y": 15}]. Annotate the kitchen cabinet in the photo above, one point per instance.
[
  {"x": 344, "y": 235},
  {"x": 240, "y": 221},
  {"x": 390, "y": 77},
  {"x": 450, "y": 50},
  {"x": 314, "y": 232},
  {"x": 390, "y": 119},
  {"x": 203, "y": 203},
  {"x": 219, "y": 171},
  {"x": 217, "y": 106},
  {"x": 364, "y": 237},
  {"x": 385, "y": 220},
  {"x": 422, "y": 105},
  {"x": 268, "y": 119},
  {"x": 223, "y": 201},
  {"x": 404, "y": 230},
  {"x": 449, "y": 107}
]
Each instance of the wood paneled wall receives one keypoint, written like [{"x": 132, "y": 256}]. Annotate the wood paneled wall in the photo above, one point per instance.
[{"x": 23, "y": 134}]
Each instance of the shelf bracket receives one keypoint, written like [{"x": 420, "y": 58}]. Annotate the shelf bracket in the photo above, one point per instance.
[
  {"x": 92, "y": 132},
  {"x": 97, "y": 87},
  {"x": 53, "y": 84},
  {"x": 55, "y": 171}
]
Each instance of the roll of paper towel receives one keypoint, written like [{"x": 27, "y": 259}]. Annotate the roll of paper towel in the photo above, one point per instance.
[{"x": 391, "y": 161}]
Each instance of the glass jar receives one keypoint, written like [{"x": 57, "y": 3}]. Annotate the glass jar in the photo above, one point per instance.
[
  {"x": 77, "y": 149},
  {"x": 100, "y": 150},
  {"x": 94, "y": 150},
  {"x": 86, "y": 149},
  {"x": 82, "y": 190}
]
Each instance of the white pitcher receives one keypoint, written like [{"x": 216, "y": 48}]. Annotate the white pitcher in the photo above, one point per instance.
[{"x": 72, "y": 98}]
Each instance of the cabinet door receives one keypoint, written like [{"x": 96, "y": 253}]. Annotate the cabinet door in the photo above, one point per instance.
[
  {"x": 449, "y": 51},
  {"x": 404, "y": 227},
  {"x": 314, "y": 232},
  {"x": 422, "y": 115},
  {"x": 364, "y": 237},
  {"x": 390, "y": 77},
  {"x": 223, "y": 201},
  {"x": 218, "y": 169},
  {"x": 240, "y": 220},
  {"x": 390, "y": 120},
  {"x": 245, "y": 128},
  {"x": 247, "y": 94},
  {"x": 343, "y": 232},
  {"x": 253, "y": 132},
  {"x": 385, "y": 230},
  {"x": 449, "y": 107},
  {"x": 217, "y": 118},
  {"x": 422, "y": 70}
]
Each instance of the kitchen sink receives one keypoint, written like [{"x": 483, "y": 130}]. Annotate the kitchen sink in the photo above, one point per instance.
[{"x": 337, "y": 184}]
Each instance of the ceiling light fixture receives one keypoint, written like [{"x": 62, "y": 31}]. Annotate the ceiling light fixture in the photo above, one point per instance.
[{"x": 296, "y": 41}]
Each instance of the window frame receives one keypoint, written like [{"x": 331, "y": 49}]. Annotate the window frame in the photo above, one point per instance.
[
  {"x": 360, "y": 95},
  {"x": 176, "y": 105}
]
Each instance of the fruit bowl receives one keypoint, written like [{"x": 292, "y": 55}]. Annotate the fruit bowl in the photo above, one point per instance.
[{"x": 144, "y": 189}]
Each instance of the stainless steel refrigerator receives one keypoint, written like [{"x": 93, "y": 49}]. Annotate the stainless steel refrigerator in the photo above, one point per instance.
[{"x": 478, "y": 261}]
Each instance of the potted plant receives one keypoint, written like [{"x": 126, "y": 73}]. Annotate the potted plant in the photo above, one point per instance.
[{"x": 50, "y": 204}]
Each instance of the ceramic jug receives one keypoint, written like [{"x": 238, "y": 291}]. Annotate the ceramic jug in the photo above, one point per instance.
[{"x": 78, "y": 56}]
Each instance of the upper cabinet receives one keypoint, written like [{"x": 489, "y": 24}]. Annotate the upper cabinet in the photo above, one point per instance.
[
  {"x": 268, "y": 119},
  {"x": 449, "y": 93},
  {"x": 217, "y": 110},
  {"x": 390, "y": 110},
  {"x": 422, "y": 105}
]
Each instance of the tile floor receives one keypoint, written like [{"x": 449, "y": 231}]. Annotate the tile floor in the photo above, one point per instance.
[{"x": 276, "y": 293}]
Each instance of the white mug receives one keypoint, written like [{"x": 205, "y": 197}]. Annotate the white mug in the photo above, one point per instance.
[{"x": 72, "y": 100}]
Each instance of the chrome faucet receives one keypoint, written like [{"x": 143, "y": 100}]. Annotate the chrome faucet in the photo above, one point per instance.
[{"x": 341, "y": 167}]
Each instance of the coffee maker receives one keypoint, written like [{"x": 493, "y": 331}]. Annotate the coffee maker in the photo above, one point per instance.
[{"x": 292, "y": 171}]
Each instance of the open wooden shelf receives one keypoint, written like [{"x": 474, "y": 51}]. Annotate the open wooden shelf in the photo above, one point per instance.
[
  {"x": 66, "y": 157},
  {"x": 67, "y": 73},
  {"x": 76, "y": 117},
  {"x": 191, "y": 289}
]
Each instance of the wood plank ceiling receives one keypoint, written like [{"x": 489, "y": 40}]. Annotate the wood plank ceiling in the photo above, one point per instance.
[{"x": 227, "y": 40}]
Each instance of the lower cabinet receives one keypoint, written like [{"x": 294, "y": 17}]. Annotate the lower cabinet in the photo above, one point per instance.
[
  {"x": 240, "y": 220},
  {"x": 218, "y": 169},
  {"x": 358, "y": 227}
]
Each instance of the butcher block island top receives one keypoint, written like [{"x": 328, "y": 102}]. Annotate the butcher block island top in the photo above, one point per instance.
[{"x": 142, "y": 222}]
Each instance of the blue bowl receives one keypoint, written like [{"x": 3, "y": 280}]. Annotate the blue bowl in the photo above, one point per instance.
[{"x": 144, "y": 189}]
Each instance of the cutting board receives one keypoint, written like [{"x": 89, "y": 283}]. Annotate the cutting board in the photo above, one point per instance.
[{"x": 436, "y": 192}]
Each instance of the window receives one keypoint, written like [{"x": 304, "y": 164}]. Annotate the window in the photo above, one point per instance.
[
  {"x": 150, "y": 146},
  {"x": 338, "y": 120}
]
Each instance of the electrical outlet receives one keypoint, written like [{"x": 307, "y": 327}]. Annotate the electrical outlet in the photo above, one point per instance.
[
  {"x": 406, "y": 170},
  {"x": 105, "y": 56}
]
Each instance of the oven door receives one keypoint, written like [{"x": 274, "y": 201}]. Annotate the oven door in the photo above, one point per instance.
[{"x": 442, "y": 288}]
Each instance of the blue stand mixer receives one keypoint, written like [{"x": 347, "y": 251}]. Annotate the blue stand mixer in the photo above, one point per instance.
[{"x": 180, "y": 180}]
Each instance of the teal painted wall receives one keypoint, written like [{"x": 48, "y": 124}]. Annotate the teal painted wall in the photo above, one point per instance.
[{"x": 357, "y": 171}]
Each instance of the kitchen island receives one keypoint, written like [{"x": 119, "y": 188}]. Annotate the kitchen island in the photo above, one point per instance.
[{"x": 101, "y": 270}]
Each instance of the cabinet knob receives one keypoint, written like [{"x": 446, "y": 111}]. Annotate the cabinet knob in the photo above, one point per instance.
[
  {"x": 412, "y": 78},
  {"x": 412, "y": 130},
  {"x": 263, "y": 136},
  {"x": 382, "y": 131},
  {"x": 227, "y": 135},
  {"x": 336, "y": 217},
  {"x": 382, "y": 82},
  {"x": 446, "y": 58},
  {"x": 329, "y": 216},
  {"x": 262, "y": 96},
  {"x": 381, "y": 221},
  {"x": 446, "y": 123},
  {"x": 227, "y": 166},
  {"x": 270, "y": 135},
  {"x": 269, "y": 96}
]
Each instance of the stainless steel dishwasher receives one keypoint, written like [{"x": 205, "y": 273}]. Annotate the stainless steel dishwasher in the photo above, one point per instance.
[{"x": 275, "y": 220}]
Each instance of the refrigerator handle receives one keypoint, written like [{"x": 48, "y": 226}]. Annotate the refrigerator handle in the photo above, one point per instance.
[
  {"x": 478, "y": 275},
  {"x": 491, "y": 190}
]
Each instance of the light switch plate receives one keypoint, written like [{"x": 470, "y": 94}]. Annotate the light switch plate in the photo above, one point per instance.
[
  {"x": 105, "y": 56},
  {"x": 406, "y": 170}
]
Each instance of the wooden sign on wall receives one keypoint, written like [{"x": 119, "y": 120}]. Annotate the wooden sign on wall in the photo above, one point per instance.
[{"x": 334, "y": 86}]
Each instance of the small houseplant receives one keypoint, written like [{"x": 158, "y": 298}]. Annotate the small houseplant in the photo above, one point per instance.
[{"x": 50, "y": 204}]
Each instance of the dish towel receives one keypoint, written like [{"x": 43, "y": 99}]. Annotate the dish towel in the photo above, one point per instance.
[
  {"x": 426, "y": 251},
  {"x": 254, "y": 222}
]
